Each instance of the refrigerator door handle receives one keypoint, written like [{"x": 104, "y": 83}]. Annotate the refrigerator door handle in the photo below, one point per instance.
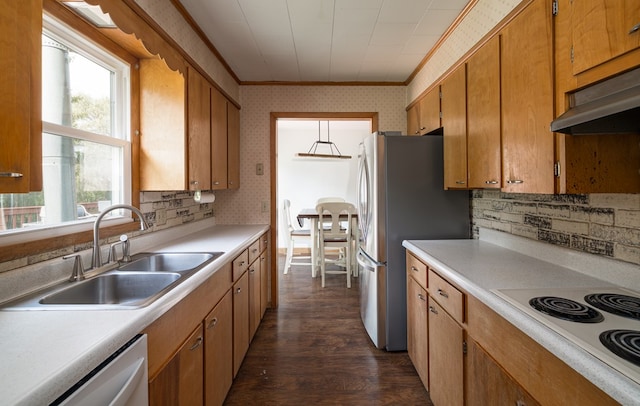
[{"x": 365, "y": 261}]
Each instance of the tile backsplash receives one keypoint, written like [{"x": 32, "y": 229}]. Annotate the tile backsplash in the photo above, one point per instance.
[{"x": 602, "y": 224}]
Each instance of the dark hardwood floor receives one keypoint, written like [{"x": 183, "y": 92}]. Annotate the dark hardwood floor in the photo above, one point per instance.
[{"x": 313, "y": 350}]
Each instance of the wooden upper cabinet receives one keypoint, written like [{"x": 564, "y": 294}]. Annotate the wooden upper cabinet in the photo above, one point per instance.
[
  {"x": 603, "y": 30},
  {"x": 233, "y": 146},
  {"x": 424, "y": 116},
  {"x": 454, "y": 126},
  {"x": 198, "y": 130},
  {"x": 483, "y": 117},
  {"x": 20, "y": 96},
  {"x": 163, "y": 156},
  {"x": 527, "y": 101},
  {"x": 218, "y": 140}
]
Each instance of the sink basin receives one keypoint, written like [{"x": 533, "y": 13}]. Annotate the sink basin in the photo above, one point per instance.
[
  {"x": 133, "y": 289},
  {"x": 135, "y": 284},
  {"x": 169, "y": 262}
]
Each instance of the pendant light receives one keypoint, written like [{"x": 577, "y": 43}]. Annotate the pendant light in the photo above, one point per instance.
[{"x": 333, "y": 148}]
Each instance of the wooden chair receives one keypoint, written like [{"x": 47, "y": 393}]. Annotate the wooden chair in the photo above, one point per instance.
[
  {"x": 294, "y": 235},
  {"x": 334, "y": 235}
]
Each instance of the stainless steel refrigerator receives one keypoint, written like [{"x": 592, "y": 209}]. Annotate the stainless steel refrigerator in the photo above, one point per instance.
[{"x": 401, "y": 196}]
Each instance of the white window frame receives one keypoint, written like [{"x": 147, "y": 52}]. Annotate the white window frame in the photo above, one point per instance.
[{"x": 121, "y": 129}]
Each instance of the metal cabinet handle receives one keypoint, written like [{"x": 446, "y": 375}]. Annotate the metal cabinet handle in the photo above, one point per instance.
[
  {"x": 216, "y": 182},
  {"x": 443, "y": 293},
  {"x": 196, "y": 344},
  {"x": 460, "y": 182},
  {"x": 515, "y": 181},
  {"x": 433, "y": 310},
  {"x": 421, "y": 297},
  {"x": 634, "y": 28},
  {"x": 252, "y": 270},
  {"x": 491, "y": 182},
  {"x": 413, "y": 268},
  {"x": 241, "y": 263},
  {"x": 238, "y": 290},
  {"x": 10, "y": 175},
  {"x": 213, "y": 323}
]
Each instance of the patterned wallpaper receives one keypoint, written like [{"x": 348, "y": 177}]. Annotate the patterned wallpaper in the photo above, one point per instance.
[{"x": 244, "y": 205}]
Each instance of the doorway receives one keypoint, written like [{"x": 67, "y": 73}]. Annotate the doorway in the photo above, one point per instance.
[{"x": 303, "y": 179}]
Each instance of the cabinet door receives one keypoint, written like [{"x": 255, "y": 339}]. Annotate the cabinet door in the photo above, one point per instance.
[
  {"x": 20, "y": 96},
  {"x": 602, "y": 30},
  {"x": 417, "y": 329},
  {"x": 413, "y": 120},
  {"x": 199, "y": 130},
  {"x": 255, "y": 289},
  {"x": 483, "y": 116},
  {"x": 240, "y": 321},
  {"x": 527, "y": 101},
  {"x": 180, "y": 381},
  {"x": 233, "y": 146},
  {"x": 218, "y": 361},
  {"x": 163, "y": 157},
  {"x": 454, "y": 126},
  {"x": 218, "y": 140},
  {"x": 488, "y": 384},
  {"x": 446, "y": 359},
  {"x": 264, "y": 283},
  {"x": 429, "y": 111}
]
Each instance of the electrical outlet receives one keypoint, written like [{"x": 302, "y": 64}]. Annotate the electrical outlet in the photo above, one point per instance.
[
  {"x": 265, "y": 206},
  {"x": 259, "y": 169}
]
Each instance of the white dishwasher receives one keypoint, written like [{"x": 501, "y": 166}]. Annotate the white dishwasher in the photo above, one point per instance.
[{"x": 120, "y": 380}]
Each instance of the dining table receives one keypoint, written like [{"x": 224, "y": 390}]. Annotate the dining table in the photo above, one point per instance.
[{"x": 312, "y": 215}]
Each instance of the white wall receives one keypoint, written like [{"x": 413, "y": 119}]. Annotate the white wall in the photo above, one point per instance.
[{"x": 304, "y": 180}]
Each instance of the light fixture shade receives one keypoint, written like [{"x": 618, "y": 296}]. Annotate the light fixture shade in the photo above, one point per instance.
[
  {"x": 92, "y": 14},
  {"x": 333, "y": 148}
]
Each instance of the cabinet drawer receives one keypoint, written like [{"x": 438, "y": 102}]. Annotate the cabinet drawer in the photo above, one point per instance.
[
  {"x": 264, "y": 241},
  {"x": 417, "y": 270},
  {"x": 450, "y": 298},
  {"x": 254, "y": 251},
  {"x": 240, "y": 264}
]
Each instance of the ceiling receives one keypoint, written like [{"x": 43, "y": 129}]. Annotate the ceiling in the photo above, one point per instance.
[{"x": 323, "y": 40}]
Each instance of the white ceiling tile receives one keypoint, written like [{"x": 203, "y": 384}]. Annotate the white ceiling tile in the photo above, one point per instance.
[
  {"x": 306, "y": 40},
  {"x": 403, "y": 11}
]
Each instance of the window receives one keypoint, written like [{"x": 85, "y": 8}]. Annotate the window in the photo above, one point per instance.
[{"x": 86, "y": 142}]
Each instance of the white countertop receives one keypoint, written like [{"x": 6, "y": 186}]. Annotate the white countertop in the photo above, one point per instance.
[
  {"x": 502, "y": 261},
  {"x": 44, "y": 353}
]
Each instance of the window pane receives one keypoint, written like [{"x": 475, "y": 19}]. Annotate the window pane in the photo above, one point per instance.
[
  {"x": 76, "y": 91},
  {"x": 79, "y": 181}
]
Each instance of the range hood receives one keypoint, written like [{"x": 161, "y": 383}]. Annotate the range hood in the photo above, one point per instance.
[{"x": 609, "y": 107}]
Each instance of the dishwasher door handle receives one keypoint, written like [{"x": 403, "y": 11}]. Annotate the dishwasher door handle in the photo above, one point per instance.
[{"x": 124, "y": 395}]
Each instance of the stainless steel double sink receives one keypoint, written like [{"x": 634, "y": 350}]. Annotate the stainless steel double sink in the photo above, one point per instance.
[{"x": 130, "y": 285}]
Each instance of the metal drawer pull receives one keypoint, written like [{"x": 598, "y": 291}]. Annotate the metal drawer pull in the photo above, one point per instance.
[
  {"x": 10, "y": 175},
  {"x": 443, "y": 293},
  {"x": 433, "y": 310},
  {"x": 213, "y": 322},
  {"x": 635, "y": 28},
  {"x": 514, "y": 181},
  {"x": 421, "y": 297},
  {"x": 460, "y": 182},
  {"x": 413, "y": 268},
  {"x": 196, "y": 344},
  {"x": 491, "y": 182},
  {"x": 238, "y": 290}
]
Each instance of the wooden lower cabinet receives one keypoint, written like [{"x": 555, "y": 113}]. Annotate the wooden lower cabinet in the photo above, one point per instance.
[
  {"x": 264, "y": 283},
  {"x": 218, "y": 357},
  {"x": 446, "y": 358},
  {"x": 417, "y": 329},
  {"x": 486, "y": 383},
  {"x": 180, "y": 381},
  {"x": 255, "y": 290},
  {"x": 240, "y": 321},
  {"x": 196, "y": 347}
]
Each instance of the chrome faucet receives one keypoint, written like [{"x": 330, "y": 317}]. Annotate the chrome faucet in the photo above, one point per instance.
[{"x": 96, "y": 259}]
